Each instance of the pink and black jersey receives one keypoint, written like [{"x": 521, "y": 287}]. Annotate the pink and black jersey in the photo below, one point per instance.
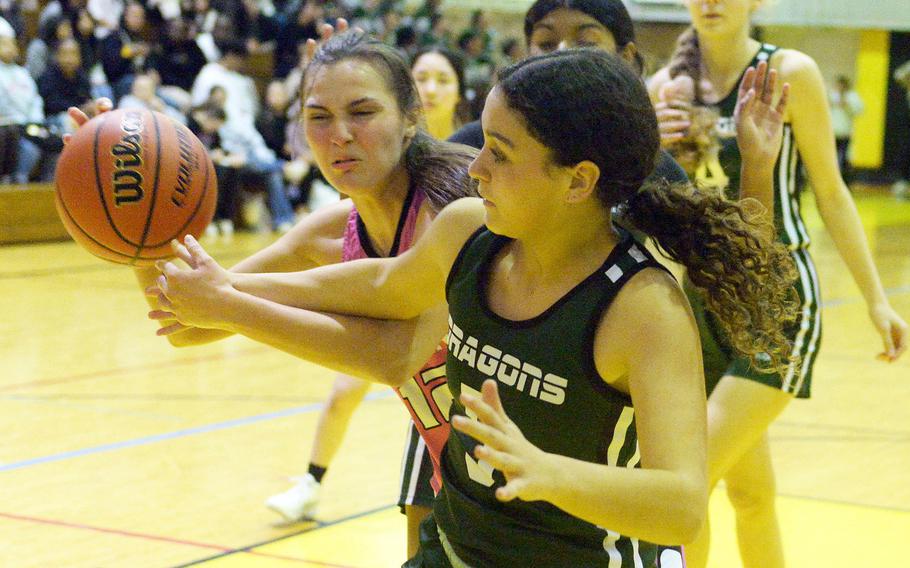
[{"x": 426, "y": 394}]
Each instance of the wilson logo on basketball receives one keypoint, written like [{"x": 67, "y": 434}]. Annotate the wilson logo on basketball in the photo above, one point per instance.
[
  {"x": 188, "y": 164},
  {"x": 128, "y": 157}
]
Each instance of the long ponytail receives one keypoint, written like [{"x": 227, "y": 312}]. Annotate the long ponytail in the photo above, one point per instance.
[
  {"x": 686, "y": 59},
  {"x": 744, "y": 275}
]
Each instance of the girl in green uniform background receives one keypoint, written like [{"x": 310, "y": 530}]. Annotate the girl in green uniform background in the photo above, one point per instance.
[{"x": 714, "y": 53}]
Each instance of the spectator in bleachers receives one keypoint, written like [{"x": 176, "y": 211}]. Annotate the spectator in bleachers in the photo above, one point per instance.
[
  {"x": 124, "y": 50},
  {"x": 83, "y": 26},
  {"x": 64, "y": 84},
  {"x": 239, "y": 134},
  {"x": 481, "y": 26},
  {"x": 406, "y": 41},
  {"x": 273, "y": 120},
  {"x": 301, "y": 26},
  {"x": 256, "y": 22},
  {"x": 512, "y": 51},
  {"x": 41, "y": 47},
  {"x": 429, "y": 10},
  {"x": 243, "y": 104},
  {"x": 143, "y": 96},
  {"x": 11, "y": 12},
  {"x": 20, "y": 105},
  {"x": 205, "y": 121},
  {"x": 56, "y": 8},
  {"x": 178, "y": 58},
  {"x": 441, "y": 33}
]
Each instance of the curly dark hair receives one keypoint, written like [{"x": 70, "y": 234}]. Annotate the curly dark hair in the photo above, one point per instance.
[{"x": 590, "y": 105}]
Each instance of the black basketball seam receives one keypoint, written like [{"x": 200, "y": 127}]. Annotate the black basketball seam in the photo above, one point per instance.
[
  {"x": 151, "y": 212},
  {"x": 86, "y": 234},
  {"x": 199, "y": 202},
  {"x": 100, "y": 188}
]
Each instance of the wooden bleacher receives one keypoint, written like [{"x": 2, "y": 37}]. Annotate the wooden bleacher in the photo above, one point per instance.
[{"x": 28, "y": 214}]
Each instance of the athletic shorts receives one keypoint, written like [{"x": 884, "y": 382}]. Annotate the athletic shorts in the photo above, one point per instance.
[
  {"x": 432, "y": 552},
  {"x": 804, "y": 334},
  {"x": 416, "y": 472}
]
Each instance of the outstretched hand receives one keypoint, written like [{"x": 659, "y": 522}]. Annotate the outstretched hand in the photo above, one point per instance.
[
  {"x": 192, "y": 296},
  {"x": 326, "y": 31},
  {"x": 759, "y": 121},
  {"x": 102, "y": 104},
  {"x": 503, "y": 446},
  {"x": 893, "y": 330}
]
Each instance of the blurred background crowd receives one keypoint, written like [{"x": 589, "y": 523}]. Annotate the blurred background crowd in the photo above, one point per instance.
[{"x": 229, "y": 69}]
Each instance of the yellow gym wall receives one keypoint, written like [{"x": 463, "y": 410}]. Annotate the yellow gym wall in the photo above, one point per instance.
[{"x": 872, "y": 85}]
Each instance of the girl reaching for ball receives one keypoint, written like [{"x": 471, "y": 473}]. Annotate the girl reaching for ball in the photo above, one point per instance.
[
  {"x": 588, "y": 444},
  {"x": 361, "y": 118},
  {"x": 711, "y": 57}
]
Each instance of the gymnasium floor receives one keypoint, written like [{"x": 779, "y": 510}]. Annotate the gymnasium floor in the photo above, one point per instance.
[{"x": 118, "y": 450}]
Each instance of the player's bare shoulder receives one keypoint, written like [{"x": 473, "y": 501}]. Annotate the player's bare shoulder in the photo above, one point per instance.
[{"x": 319, "y": 236}]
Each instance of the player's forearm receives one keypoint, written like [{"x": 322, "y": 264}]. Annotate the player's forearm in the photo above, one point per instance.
[
  {"x": 659, "y": 506},
  {"x": 842, "y": 221},
  {"x": 757, "y": 182},
  {"x": 375, "y": 350},
  {"x": 359, "y": 288}
]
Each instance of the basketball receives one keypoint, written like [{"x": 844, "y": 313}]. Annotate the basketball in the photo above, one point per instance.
[{"x": 131, "y": 180}]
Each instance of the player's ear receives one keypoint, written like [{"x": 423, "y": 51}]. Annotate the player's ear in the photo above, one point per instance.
[{"x": 583, "y": 182}]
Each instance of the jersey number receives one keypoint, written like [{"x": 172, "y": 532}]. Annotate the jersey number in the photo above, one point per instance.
[{"x": 415, "y": 396}]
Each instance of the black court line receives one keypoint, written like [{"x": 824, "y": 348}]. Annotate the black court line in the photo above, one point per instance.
[{"x": 319, "y": 525}]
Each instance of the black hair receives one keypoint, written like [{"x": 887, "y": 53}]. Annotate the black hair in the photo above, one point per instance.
[
  {"x": 611, "y": 14},
  {"x": 438, "y": 168},
  {"x": 589, "y": 105},
  {"x": 232, "y": 47}
]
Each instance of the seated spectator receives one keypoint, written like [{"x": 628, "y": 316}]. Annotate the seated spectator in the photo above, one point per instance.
[
  {"x": 56, "y": 8},
  {"x": 41, "y": 48},
  {"x": 142, "y": 95},
  {"x": 64, "y": 84},
  {"x": 227, "y": 72},
  {"x": 20, "y": 105},
  {"x": 239, "y": 133},
  {"x": 124, "y": 50},
  {"x": 295, "y": 32},
  {"x": 205, "y": 121},
  {"x": 272, "y": 121},
  {"x": 12, "y": 13},
  {"x": 178, "y": 60},
  {"x": 83, "y": 26}
]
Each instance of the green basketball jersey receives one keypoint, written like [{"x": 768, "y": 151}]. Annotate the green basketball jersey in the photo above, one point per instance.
[
  {"x": 551, "y": 389},
  {"x": 788, "y": 178}
]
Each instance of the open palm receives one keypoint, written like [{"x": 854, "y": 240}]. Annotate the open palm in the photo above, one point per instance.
[{"x": 759, "y": 120}]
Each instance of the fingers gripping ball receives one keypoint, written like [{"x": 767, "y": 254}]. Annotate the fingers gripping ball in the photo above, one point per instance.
[{"x": 131, "y": 180}]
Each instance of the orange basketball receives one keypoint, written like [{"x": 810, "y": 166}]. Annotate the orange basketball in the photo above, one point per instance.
[{"x": 131, "y": 180}]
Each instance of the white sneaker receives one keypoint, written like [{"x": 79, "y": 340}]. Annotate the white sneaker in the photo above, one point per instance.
[{"x": 299, "y": 501}]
